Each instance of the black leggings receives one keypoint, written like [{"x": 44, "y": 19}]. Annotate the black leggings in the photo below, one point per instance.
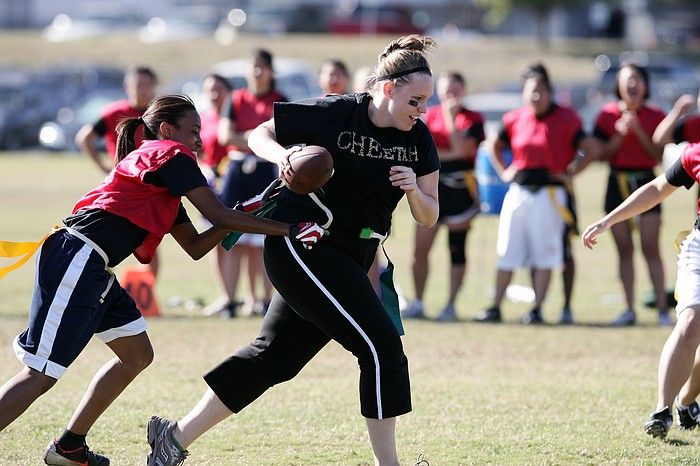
[{"x": 323, "y": 294}]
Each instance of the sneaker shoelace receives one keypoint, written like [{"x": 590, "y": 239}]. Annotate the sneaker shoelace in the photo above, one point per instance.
[{"x": 421, "y": 461}]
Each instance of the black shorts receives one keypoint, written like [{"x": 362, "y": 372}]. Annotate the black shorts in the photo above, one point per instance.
[
  {"x": 245, "y": 178},
  {"x": 622, "y": 183},
  {"x": 75, "y": 297},
  {"x": 458, "y": 193}
]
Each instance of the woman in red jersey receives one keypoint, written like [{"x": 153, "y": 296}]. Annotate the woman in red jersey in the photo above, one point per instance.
[
  {"x": 246, "y": 176},
  {"x": 544, "y": 138},
  {"x": 217, "y": 89},
  {"x": 457, "y": 132},
  {"x": 679, "y": 362},
  {"x": 76, "y": 295},
  {"x": 625, "y": 128}
]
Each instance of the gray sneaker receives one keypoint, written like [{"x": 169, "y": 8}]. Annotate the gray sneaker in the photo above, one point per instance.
[
  {"x": 164, "y": 450},
  {"x": 448, "y": 314},
  {"x": 414, "y": 311},
  {"x": 55, "y": 456}
]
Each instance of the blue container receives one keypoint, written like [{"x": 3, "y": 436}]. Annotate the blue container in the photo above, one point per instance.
[{"x": 491, "y": 189}]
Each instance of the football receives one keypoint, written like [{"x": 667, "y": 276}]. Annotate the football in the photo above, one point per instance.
[{"x": 311, "y": 168}]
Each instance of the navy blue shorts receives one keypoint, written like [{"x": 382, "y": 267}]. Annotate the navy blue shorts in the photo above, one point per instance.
[
  {"x": 75, "y": 297},
  {"x": 246, "y": 178}
]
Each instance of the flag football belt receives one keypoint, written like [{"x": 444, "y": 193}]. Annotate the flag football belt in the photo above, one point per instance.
[
  {"x": 389, "y": 296},
  {"x": 563, "y": 210},
  {"x": 624, "y": 180},
  {"x": 260, "y": 206},
  {"x": 21, "y": 250}
]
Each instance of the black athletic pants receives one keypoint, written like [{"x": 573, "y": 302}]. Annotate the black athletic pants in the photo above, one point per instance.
[{"x": 323, "y": 294}]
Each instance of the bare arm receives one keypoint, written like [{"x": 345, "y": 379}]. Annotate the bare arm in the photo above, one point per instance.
[
  {"x": 421, "y": 193},
  {"x": 206, "y": 202},
  {"x": 663, "y": 134},
  {"x": 263, "y": 141},
  {"x": 640, "y": 201},
  {"x": 194, "y": 243},
  {"x": 86, "y": 139}
]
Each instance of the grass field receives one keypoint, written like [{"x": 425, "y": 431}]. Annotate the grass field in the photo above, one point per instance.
[{"x": 504, "y": 394}]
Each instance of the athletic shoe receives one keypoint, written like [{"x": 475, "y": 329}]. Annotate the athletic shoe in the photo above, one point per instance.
[
  {"x": 414, "y": 311},
  {"x": 665, "y": 320},
  {"x": 626, "y": 319},
  {"x": 689, "y": 416},
  {"x": 164, "y": 450},
  {"x": 448, "y": 314},
  {"x": 567, "y": 317},
  {"x": 659, "y": 423},
  {"x": 534, "y": 317},
  {"x": 79, "y": 457},
  {"x": 490, "y": 315}
]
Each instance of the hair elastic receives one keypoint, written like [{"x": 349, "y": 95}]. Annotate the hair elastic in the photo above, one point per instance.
[{"x": 399, "y": 74}]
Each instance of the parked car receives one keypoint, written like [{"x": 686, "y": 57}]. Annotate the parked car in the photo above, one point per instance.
[
  {"x": 59, "y": 133},
  {"x": 294, "y": 78},
  {"x": 21, "y": 110},
  {"x": 376, "y": 20},
  {"x": 182, "y": 23},
  {"x": 92, "y": 20}
]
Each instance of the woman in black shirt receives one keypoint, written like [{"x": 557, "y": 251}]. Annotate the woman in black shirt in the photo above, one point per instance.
[{"x": 381, "y": 150}]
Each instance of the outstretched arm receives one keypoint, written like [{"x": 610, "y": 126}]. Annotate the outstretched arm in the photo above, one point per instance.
[
  {"x": 663, "y": 134},
  {"x": 196, "y": 244},
  {"x": 640, "y": 201},
  {"x": 204, "y": 199}
]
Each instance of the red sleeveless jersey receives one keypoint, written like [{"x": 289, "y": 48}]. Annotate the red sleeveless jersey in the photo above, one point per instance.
[
  {"x": 631, "y": 155},
  {"x": 124, "y": 192},
  {"x": 250, "y": 110}
]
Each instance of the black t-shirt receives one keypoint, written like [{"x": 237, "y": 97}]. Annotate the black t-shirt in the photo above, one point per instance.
[
  {"x": 116, "y": 235},
  {"x": 359, "y": 194},
  {"x": 677, "y": 176}
]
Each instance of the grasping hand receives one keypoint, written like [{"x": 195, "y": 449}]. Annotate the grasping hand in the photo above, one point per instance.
[
  {"x": 285, "y": 168},
  {"x": 403, "y": 177}
]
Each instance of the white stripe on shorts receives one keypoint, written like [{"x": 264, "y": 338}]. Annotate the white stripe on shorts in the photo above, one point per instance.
[
  {"x": 127, "y": 330},
  {"x": 352, "y": 321},
  {"x": 64, "y": 291}
]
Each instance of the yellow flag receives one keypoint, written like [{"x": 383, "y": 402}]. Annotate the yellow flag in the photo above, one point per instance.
[{"x": 23, "y": 250}]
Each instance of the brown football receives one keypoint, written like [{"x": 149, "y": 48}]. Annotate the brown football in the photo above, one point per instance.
[{"x": 311, "y": 168}]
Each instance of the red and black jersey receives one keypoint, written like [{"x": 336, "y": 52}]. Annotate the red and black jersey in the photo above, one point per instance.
[
  {"x": 688, "y": 130},
  {"x": 124, "y": 192},
  {"x": 106, "y": 126},
  {"x": 631, "y": 155},
  {"x": 547, "y": 141},
  {"x": 467, "y": 122},
  {"x": 249, "y": 110},
  {"x": 212, "y": 151}
]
